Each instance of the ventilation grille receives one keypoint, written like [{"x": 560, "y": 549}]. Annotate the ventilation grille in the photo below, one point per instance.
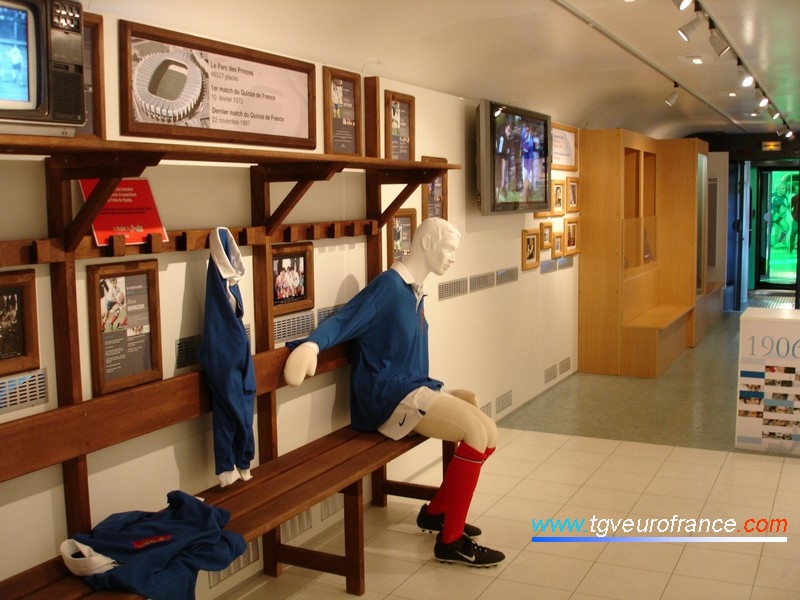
[
  {"x": 451, "y": 289},
  {"x": 294, "y": 326},
  {"x": 326, "y": 313},
  {"x": 503, "y": 402},
  {"x": 550, "y": 373},
  {"x": 507, "y": 275},
  {"x": 296, "y": 525},
  {"x": 487, "y": 409},
  {"x": 480, "y": 282},
  {"x": 23, "y": 390},
  {"x": 187, "y": 351},
  {"x": 246, "y": 558},
  {"x": 564, "y": 366},
  {"x": 331, "y": 505}
]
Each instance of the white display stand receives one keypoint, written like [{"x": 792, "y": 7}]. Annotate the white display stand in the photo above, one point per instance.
[{"x": 768, "y": 406}]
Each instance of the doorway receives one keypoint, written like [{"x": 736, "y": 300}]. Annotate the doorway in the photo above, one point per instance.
[{"x": 773, "y": 257}]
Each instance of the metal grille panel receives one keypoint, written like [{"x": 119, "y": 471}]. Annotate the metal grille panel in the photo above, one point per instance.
[
  {"x": 294, "y": 326},
  {"x": 23, "y": 390},
  {"x": 481, "y": 282},
  {"x": 509, "y": 275},
  {"x": 451, "y": 289},
  {"x": 248, "y": 557}
]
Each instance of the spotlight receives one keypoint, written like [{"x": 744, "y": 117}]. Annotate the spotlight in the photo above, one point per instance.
[
  {"x": 789, "y": 135},
  {"x": 773, "y": 112},
  {"x": 761, "y": 99},
  {"x": 687, "y": 31},
  {"x": 718, "y": 43},
  {"x": 781, "y": 130},
  {"x": 673, "y": 97},
  {"x": 744, "y": 77},
  {"x": 682, "y": 4}
]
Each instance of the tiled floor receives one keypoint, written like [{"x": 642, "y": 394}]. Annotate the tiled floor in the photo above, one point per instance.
[{"x": 670, "y": 454}]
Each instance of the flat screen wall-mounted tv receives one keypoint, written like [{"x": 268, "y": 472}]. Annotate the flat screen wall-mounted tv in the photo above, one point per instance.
[
  {"x": 513, "y": 159},
  {"x": 41, "y": 67}
]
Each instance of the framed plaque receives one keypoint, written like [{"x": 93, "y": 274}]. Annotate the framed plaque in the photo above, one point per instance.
[
  {"x": 124, "y": 317},
  {"x": 398, "y": 126},
  {"x": 434, "y": 194},
  {"x": 530, "y": 249},
  {"x": 341, "y": 108},
  {"x": 565, "y": 147},
  {"x": 19, "y": 334},
  {"x": 292, "y": 277},
  {"x": 180, "y": 86},
  {"x": 399, "y": 234}
]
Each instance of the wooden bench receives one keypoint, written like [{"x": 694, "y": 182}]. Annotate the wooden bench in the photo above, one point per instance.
[
  {"x": 281, "y": 488},
  {"x": 655, "y": 339}
]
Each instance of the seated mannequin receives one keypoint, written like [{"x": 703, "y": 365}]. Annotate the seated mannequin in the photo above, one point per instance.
[{"x": 391, "y": 390}]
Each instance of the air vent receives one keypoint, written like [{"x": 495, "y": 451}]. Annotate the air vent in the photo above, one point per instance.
[
  {"x": 503, "y": 402},
  {"x": 480, "y": 282},
  {"x": 294, "y": 326},
  {"x": 331, "y": 505},
  {"x": 245, "y": 559},
  {"x": 326, "y": 313},
  {"x": 550, "y": 373},
  {"x": 296, "y": 525},
  {"x": 564, "y": 366},
  {"x": 186, "y": 350},
  {"x": 451, "y": 289},
  {"x": 509, "y": 275},
  {"x": 23, "y": 390}
]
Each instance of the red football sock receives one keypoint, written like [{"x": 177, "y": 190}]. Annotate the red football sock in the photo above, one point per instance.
[{"x": 459, "y": 484}]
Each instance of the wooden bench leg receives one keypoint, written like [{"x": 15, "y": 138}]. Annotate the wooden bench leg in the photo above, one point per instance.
[
  {"x": 270, "y": 542},
  {"x": 355, "y": 574},
  {"x": 379, "y": 491}
]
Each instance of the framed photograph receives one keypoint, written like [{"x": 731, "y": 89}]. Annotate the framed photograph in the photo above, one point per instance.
[
  {"x": 292, "y": 277},
  {"x": 565, "y": 147},
  {"x": 557, "y": 250},
  {"x": 530, "y": 249},
  {"x": 545, "y": 235},
  {"x": 434, "y": 194},
  {"x": 124, "y": 317},
  {"x": 572, "y": 236},
  {"x": 399, "y": 234},
  {"x": 558, "y": 201},
  {"x": 398, "y": 121},
  {"x": 19, "y": 334},
  {"x": 341, "y": 109},
  {"x": 179, "y": 86},
  {"x": 572, "y": 194}
]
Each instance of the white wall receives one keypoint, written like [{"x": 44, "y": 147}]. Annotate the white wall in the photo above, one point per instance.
[{"x": 494, "y": 341}]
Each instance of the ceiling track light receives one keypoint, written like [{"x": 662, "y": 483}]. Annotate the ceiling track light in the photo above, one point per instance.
[
  {"x": 744, "y": 76},
  {"x": 789, "y": 135},
  {"x": 773, "y": 112},
  {"x": 687, "y": 31},
  {"x": 673, "y": 97},
  {"x": 682, "y": 4},
  {"x": 761, "y": 99},
  {"x": 718, "y": 43}
]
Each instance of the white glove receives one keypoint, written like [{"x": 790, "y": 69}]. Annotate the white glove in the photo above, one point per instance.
[{"x": 302, "y": 363}]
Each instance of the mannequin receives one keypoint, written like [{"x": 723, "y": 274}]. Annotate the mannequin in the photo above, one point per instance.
[{"x": 391, "y": 390}]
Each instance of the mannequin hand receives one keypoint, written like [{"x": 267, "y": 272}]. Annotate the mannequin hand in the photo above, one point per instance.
[
  {"x": 465, "y": 395},
  {"x": 302, "y": 363}
]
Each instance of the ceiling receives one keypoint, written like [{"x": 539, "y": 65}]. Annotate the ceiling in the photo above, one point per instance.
[{"x": 589, "y": 63}]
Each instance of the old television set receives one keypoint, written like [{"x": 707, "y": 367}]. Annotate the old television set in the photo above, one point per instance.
[
  {"x": 512, "y": 159},
  {"x": 41, "y": 67}
]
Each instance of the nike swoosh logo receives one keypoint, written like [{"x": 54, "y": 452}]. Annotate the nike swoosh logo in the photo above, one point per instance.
[
  {"x": 403, "y": 420},
  {"x": 470, "y": 558}
]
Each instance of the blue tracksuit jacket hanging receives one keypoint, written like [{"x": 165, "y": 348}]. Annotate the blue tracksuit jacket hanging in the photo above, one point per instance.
[
  {"x": 160, "y": 553},
  {"x": 225, "y": 356}
]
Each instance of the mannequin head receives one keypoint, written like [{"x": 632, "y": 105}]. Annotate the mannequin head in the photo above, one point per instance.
[{"x": 433, "y": 248}]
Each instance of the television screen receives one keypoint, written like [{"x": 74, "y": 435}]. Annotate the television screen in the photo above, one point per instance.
[
  {"x": 513, "y": 159},
  {"x": 17, "y": 57}
]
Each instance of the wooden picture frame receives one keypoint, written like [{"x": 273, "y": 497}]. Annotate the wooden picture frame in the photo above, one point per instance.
[
  {"x": 19, "y": 332},
  {"x": 179, "y": 86},
  {"x": 434, "y": 194},
  {"x": 564, "y": 144},
  {"x": 557, "y": 198},
  {"x": 124, "y": 317},
  {"x": 399, "y": 233},
  {"x": 557, "y": 249},
  {"x": 530, "y": 249},
  {"x": 545, "y": 235},
  {"x": 398, "y": 122},
  {"x": 572, "y": 236},
  {"x": 292, "y": 277},
  {"x": 342, "y": 112},
  {"x": 572, "y": 201}
]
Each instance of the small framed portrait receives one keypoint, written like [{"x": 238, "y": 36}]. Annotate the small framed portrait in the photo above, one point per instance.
[
  {"x": 341, "y": 95},
  {"x": 530, "y": 248},
  {"x": 124, "y": 315},
  {"x": 19, "y": 334},
  {"x": 545, "y": 235},
  {"x": 399, "y": 234},
  {"x": 571, "y": 236},
  {"x": 557, "y": 250},
  {"x": 399, "y": 126},
  {"x": 434, "y": 194},
  {"x": 572, "y": 194},
  {"x": 558, "y": 201},
  {"x": 292, "y": 278}
]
